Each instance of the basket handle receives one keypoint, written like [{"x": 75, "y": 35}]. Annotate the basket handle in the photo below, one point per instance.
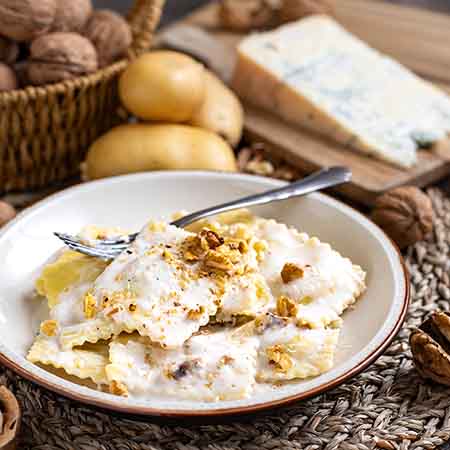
[{"x": 143, "y": 19}]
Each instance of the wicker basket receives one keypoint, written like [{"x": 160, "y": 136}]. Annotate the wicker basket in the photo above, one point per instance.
[{"x": 45, "y": 131}]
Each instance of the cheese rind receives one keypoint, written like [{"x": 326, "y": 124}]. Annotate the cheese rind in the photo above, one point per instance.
[{"x": 317, "y": 75}]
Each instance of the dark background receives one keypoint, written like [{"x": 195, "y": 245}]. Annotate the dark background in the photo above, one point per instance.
[{"x": 177, "y": 8}]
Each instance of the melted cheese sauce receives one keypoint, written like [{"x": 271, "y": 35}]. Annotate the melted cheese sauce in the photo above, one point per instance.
[{"x": 142, "y": 325}]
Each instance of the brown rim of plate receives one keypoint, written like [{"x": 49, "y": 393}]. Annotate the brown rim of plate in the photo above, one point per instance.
[{"x": 241, "y": 410}]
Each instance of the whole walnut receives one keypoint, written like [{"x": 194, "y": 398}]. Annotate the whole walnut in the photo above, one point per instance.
[
  {"x": 9, "y": 50},
  {"x": 405, "y": 214},
  {"x": 292, "y": 10},
  {"x": 246, "y": 15},
  {"x": 25, "y": 20},
  {"x": 7, "y": 212},
  {"x": 430, "y": 344},
  {"x": 110, "y": 34},
  {"x": 8, "y": 79},
  {"x": 60, "y": 56},
  {"x": 71, "y": 15}
]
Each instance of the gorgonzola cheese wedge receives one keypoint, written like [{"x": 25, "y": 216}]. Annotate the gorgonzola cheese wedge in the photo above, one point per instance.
[{"x": 317, "y": 75}]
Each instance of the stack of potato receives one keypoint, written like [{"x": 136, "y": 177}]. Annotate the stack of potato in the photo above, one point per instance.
[{"x": 187, "y": 119}]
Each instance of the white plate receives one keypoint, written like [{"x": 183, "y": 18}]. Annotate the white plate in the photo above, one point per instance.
[{"x": 129, "y": 201}]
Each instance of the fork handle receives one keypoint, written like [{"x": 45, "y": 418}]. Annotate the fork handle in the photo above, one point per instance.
[{"x": 314, "y": 182}]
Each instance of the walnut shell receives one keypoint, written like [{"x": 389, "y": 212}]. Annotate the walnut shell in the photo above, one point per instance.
[
  {"x": 9, "y": 50},
  {"x": 405, "y": 214},
  {"x": 430, "y": 346},
  {"x": 21, "y": 71},
  {"x": 292, "y": 10},
  {"x": 25, "y": 20},
  {"x": 246, "y": 15},
  {"x": 110, "y": 34},
  {"x": 72, "y": 15},
  {"x": 61, "y": 56},
  {"x": 8, "y": 82},
  {"x": 7, "y": 212},
  {"x": 11, "y": 419}
]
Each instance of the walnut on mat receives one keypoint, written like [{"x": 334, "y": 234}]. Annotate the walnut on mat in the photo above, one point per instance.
[
  {"x": 405, "y": 214},
  {"x": 246, "y": 15},
  {"x": 9, "y": 419},
  {"x": 7, "y": 212},
  {"x": 430, "y": 346}
]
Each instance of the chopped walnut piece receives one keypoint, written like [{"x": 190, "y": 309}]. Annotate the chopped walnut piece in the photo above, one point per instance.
[
  {"x": 216, "y": 260},
  {"x": 243, "y": 247},
  {"x": 118, "y": 388},
  {"x": 291, "y": 272},
  {"x": 192, "y": 249},
  {"x": 212, "y": 238},
  {"x": 286, "y": 307},
  {"x": 49, "y": 327},
  {"x": 194, "y": 314},
  {"x": 89, "y": 306},
  {"x": 279, "y": 358},
  {"x": 225, "y": 361}
]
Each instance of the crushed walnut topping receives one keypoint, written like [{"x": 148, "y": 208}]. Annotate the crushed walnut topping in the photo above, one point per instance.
[
  {"x": 218, "y": 260},
  {"x": 215, "y": 253},
  {"x": 212, "y": 238},
  {"x": 225, "y": 361},
  {"x": 278, "y": 357},
  {"x": 260, "y": 248},
  {"x": 118, "y": 388},
  {"x": 291, "y": 272},
  {"x": 194, "y": 314},
  {"x": 286, "y": 307},
  {"x": 89, "y": 306},
  {"x": 49, "y": 327}
]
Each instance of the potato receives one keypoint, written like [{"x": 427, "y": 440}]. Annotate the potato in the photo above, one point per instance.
[
  {"x": 163, "y": 86},
  {"x": 141, "y": 147},
  {"x": 221, "y": 111}
]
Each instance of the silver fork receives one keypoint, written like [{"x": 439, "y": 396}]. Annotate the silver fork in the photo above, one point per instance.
[{"x": 110, "y": 248}]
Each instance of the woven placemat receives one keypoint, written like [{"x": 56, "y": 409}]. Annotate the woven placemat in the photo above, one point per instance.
[{"x": 388, "y": 406}]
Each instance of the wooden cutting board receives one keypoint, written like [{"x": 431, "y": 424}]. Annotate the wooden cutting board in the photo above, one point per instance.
[{"x": 419, "y": 39}]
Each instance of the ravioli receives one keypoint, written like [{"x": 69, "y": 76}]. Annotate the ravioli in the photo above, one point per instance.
[
  {"x": 142, "y": 325},
  {"x": 69, "y": 270},
  {"x": 287, "y": 351},
  {"x": 87, "y": 362},
  {"x": 247, "y": 296},
  {"x": 325, "y": 283},
  {"x": 165, "y": 286},
  {"x": 210, "y": 366}
]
